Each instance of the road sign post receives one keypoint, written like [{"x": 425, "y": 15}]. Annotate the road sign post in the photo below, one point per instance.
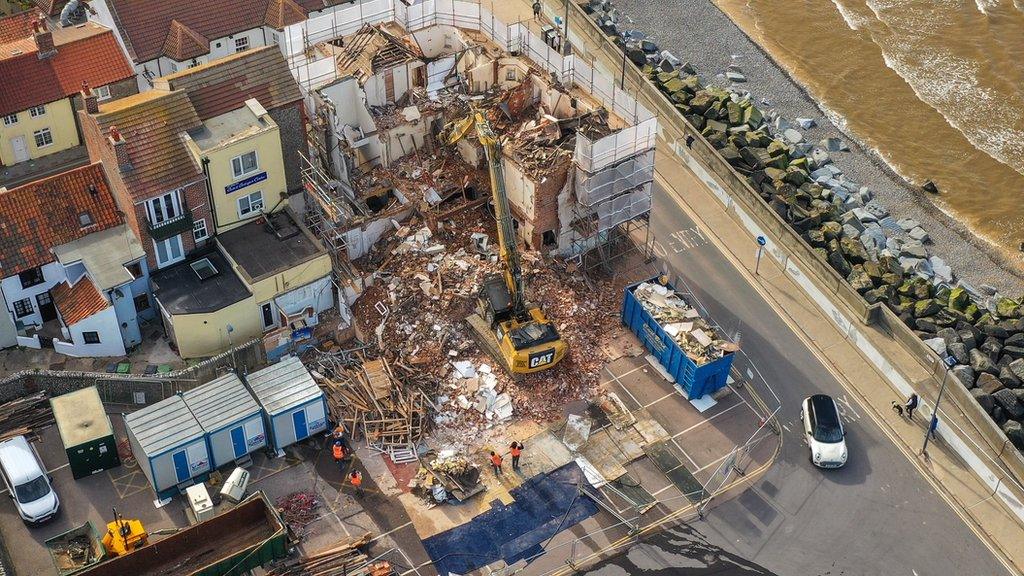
[{"x": 761, "y": 241}]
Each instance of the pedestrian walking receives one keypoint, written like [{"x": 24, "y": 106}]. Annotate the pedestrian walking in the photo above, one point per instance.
[
  {"x": 516, "y": 449},
  {"x": 536, "y": 10},
  {"x": 496, "y": 463},
  {"x": 933, "y": 426},
  {"x": 911, "y": 405},
  {"x": 356, "y": 480},
  {"x": 689, "y": 141}
]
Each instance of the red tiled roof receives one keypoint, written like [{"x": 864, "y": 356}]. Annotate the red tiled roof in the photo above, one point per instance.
[
  {"x": 17, "y": 26},
  {"x": 42, "y": 214},
  {"x": 50, "y": 7},
  {"x": 184, "y": 43},
  {"x": 151, "y": 123},
  {"x": 27, "y": 80},
  {"x": 281, "y": 13},
  {"x": 226, "y": 83},
  {"x": 78, "y": 302}
]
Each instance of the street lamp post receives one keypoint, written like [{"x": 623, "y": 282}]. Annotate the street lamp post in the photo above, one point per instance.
[{"x": 935, "y": 411}]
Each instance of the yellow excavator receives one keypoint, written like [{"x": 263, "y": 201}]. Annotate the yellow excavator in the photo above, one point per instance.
[{"x": 515, "y": 332}]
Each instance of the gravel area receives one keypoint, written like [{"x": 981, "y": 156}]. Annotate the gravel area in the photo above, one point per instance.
[{"x": 696, "y": 31}]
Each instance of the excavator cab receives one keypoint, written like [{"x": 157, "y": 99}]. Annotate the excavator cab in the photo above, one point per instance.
[{"x": 528, "y": 341}]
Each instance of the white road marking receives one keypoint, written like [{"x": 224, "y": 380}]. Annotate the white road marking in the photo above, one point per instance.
[{"x": 703, "y": 422}]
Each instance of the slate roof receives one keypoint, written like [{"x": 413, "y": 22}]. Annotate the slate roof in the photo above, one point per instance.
[
  {"x": 90, "y": 53},
  {"x": 42, "y": 214},
  {"x": 152, "y": 124},
  {"x": 145, "y": 24},
  {"x": 78, "y": 302},
  {"x": 226, "y": 83}
]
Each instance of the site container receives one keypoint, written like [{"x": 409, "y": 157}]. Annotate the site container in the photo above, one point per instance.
[
  {"x": 169, "y": 444},
  {"x": 230, "y": 544},
  {"x": 295, "y": 406},
  {"x": 85, "y": 431},
  {"x": 694, "y": 380},
  {"x": 230, "y": 416}
]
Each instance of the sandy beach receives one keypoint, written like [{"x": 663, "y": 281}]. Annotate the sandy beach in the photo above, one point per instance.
[{"x": 697, "y": 31}]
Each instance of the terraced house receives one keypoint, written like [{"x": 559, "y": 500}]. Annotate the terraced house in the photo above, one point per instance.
[
  {"x": 74, "y": 277},
  {"x": 163, "y": 37},
  {"x": 41, "y": 74}
]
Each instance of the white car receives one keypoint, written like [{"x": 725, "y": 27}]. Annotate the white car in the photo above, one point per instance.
[
  {"x": 26, "y": 481},
  {"x": 824, "y": 431}
]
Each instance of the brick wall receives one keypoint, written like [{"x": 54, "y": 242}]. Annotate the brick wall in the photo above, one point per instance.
[{"x": 291, "y": 120}]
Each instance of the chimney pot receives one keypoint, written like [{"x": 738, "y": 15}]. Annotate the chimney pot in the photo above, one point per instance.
[
  {"x": 120, "y": 145},
  {"x": 89, "y": 101},
  {"x": 44, "y": 39}
]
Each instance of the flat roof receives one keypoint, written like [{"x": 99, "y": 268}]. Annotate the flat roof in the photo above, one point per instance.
[
  {"x": 221, "y": 402},
  {"x": 180, "y": 290},
  {"x": 230, "y": 126},
  {"x": 269, "y": 245},
  {"x": 164, "y": 425},
  {"x": 284, "y": 385},
  {"x": 104, "y": 254},
  {"x": 80, "y": 417}
]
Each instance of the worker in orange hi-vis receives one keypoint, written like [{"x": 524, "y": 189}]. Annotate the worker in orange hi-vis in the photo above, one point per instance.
[
  {"x": 516, "y": 449},
  {"x": 356, "y": 480},
  {"x": 339, "y": 435},
  {"x": 496, "y": 463}
]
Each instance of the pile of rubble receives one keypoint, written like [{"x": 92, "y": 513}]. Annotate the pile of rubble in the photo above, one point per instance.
[{"x": 683, "y": 323}]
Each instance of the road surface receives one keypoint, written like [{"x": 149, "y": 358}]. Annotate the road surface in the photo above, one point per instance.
[{"x": 877, "y": 515}]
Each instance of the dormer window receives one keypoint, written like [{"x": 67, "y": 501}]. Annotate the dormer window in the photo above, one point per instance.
[{"x": 85, "y": 220}]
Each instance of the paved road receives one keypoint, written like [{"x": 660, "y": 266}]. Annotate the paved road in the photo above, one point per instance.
[{"x": 875, "y": 516}]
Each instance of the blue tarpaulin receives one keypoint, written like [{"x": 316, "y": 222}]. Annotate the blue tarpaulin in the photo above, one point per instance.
[{"x": 517, "y": 531}]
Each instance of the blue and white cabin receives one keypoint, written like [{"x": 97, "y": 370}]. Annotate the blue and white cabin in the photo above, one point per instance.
[
  {"x": 169, "y": 445},
  {"x": 295, "y": 406},
  {"x": 230, "y": 416}
]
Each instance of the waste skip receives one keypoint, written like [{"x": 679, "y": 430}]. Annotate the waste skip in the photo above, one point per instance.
[
  {"x": 86, "y": 432},
  {"x": 230, "y": 416},
  {"x": 697, "y": 354},
  {"x": 169, "y": 444},
  {"x": 295, "y": 406}
]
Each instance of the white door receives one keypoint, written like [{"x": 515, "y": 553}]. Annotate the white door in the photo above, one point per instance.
[
  {"x": 20, "y": 149},
  {"x": 169, "y": 251}
]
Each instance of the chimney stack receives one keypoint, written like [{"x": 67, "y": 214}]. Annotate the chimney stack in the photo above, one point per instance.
[
  {"x": 44, "y": 38},
  {"x": 124, "y": 163},
  {"x": 89, "y": 99}
]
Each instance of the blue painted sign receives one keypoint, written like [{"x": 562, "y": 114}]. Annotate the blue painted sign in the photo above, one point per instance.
[
  {"x": 761, "y": 240},
  {"x": 247, "y": 182}
]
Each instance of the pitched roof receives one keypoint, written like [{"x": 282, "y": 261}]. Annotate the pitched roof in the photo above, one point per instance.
[
  {"x": 16, "y": 27},
  {"x": 42, "y": 214},
  {"x": 226, "y": 83},
  {"x": 50, "y": 7},
  {"x": 183, "y": 43},
  {"x": 281, "y": 13},
  {"x": 152, "y": 123},
  {"x": 89, "y": 53},
  {"x": 78, "y": 302}
]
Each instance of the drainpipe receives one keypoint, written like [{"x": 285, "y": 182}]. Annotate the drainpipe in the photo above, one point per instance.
[{"x": 209, "y": 197}]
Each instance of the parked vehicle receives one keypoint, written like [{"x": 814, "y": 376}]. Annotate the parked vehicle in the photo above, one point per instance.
[
  {"x": 27, "y": 482},
  {"x": 823, "y": 429}
]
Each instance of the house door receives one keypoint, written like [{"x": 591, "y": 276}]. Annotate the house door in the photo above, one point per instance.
[
  {"x": 46, "y": 308},
  {"x": 20, "y": 149},
  {"x": 238, "y": 441},
  {"x": 181, "y": 466},
  {"x": 299, "y": 418}
]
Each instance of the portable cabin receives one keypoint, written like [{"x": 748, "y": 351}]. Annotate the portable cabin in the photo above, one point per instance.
[
  {"x": 86, "y": 432},
  {"x": 295, "y": 406},
  {"x": 230, "y": 416},
  {"x": 169, "y": 444}
]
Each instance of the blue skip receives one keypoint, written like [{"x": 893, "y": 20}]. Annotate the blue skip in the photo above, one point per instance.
[{"x": 512, "y": 533}]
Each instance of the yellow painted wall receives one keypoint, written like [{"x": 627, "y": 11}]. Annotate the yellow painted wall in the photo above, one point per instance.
[
  {"x": 59, "y": 118},
  {"x": 267, "y": 144},
  {"x": 201, "y": 335},
  {"x": 300, "y": 275}
]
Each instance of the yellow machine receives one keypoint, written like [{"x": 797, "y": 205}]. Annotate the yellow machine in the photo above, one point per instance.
[
  {"x": 519, "y": 333},
  {"x": 124, "y": 536}
]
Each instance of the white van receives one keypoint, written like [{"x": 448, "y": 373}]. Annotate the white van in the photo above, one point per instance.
[{"x": 26, "y": 481}]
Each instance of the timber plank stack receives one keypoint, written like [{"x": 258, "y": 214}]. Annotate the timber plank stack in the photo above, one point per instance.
[
  {"x": 24, "y": 416},
  {"x": 344, "y": 558}
]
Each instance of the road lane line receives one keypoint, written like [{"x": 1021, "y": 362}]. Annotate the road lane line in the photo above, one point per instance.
[{"x": 708, "y": 420}]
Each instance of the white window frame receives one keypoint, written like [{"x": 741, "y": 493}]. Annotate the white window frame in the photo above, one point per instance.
[
  {"x": 273, "y": 315},
  {"x": 239, "y": 171},
  {"x": 167, "y": 242},
  {"x": 274, "y": 38},
  {"x": 175, "y": 200},
  {"x": 102, "y": 93},
  {"x": 37, "y": 111},
  {"x": 44, "y": 134},
  {"x": 11, "y": 119},
  {"x": 198, "y": 225},
  {"x": 249, "y": 213},
  {"x": 174, "y": 66},
  {"x": 242, "y": 44}
]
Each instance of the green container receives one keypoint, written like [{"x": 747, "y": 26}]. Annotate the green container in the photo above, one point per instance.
[
  {"x": 86, "y": 432},
  {"x": 86, "y": 549}
]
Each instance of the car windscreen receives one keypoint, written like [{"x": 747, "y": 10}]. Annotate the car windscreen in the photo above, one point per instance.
[{"x": 32, "y": 490}]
